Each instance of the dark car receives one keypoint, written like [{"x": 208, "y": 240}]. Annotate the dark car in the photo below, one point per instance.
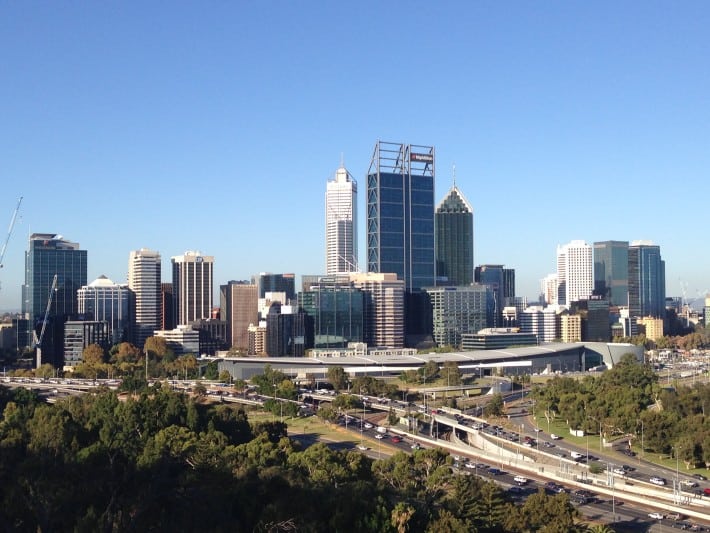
[
  {"x": 700, "y": 477},
  {"x": 495, "y": 471}
]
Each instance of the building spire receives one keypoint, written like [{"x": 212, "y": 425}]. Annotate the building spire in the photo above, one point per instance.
[
  {"x": 342, "y": 160},
  {"x": 454, "y": 176}
]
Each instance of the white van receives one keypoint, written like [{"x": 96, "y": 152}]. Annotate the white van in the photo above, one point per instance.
[
  {"x": 576, "y": 455},
  {"x": 381, "y": 430}
]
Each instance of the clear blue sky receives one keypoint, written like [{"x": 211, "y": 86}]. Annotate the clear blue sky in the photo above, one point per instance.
[{"x": 214, "y": 126}]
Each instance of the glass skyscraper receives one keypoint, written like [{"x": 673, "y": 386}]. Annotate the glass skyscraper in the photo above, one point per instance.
[
  {"x": 611, "y": 271},
  {"x": 48, "y": 255},
  {"x": 647, "y": 280},
  {"x": 400, "y": 213},
  {"x": 453, "y": 222}
]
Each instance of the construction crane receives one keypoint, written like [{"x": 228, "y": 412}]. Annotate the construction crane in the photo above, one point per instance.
[
  {"x": 38, "y": 340},
  {"x": 9, "y": 232}
]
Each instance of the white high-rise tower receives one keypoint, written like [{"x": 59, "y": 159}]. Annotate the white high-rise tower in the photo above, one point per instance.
[
  {"x": 341, "y": 223},
  {"x": 575, "y": 272},
  {"x": 144, "y": 270}
]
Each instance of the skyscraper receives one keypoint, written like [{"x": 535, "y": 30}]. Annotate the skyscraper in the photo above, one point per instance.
[
  {"x": 501, "y": 284},
  {"x": 457, "y": 311},
  {"x": 611, "y": 271},
  {"x": 192, "y": 287},
  {"x": 647, "y": 280},
  {"x": 574, "y": 272},
  {"x": 453, "y": 223},
  {"x": 144, "y": 271},
  {"x": 400, "y": 213},
  {"x": 48, "y": 255},
  {"x": 400, "y": 226},
  {"x": 102, "y": 300},
  {"x": 341, "y": 224}
]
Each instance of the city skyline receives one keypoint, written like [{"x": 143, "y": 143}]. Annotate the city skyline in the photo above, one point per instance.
[{"x": 563, "y": 122}]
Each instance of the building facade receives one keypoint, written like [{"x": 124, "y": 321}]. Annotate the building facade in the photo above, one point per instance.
[
  {"x": 50, "y": 255},
  {"x": 383, "y": 308},
  {"x": 268, "y": 282},
  {"x": 79, "y": 334},
  {"x": 341, "y": 224},
  {"x": 104, "y": 300},
  {"x": 239, "y": 305},
  {"x": 456, "y": 311},
  {"x": 453, "y": 243},
  {"x": 336, "y": 309},
  {"x": 192, "y": 287},
  {"x": 181, "y": 340},
  {"x": 144, "y": 272},
  {"x": 540, "y": 322}
]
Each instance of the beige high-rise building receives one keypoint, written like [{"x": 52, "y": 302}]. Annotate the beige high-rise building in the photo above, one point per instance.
[
  {"x": 239, "y": 307},
  {"x": 570, "y": 328},
  {"x": 144, "y": 271},
  {"x": 384, "y": 308},
  {"x": 653, "y": 327},
  {"x": 257, "y": 339}
]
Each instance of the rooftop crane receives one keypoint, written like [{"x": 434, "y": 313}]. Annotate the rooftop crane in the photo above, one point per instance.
[
  {"x": 9, "y": 231},
  {"x": 38, "y": 340}
]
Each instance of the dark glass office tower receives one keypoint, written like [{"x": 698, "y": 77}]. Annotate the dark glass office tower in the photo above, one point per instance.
[
  {"x": 400, "y": 213},
  {"x": 400, "y": 226},
  {"x": 268, "y": 282},
  {"x": 493, "y": 277},
  {"x": 647, "y": 280},
  {"x": 337, "y": 311},
  {"x": 453, "y": 223},
  {"x": 611, "y": 271},
  {"x": 49, "y": 255}
]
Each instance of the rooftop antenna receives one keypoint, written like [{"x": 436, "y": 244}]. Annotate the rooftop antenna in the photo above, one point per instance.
[
  {"x": 454, "y": 175},
  {"x": 342, "y": 160}
]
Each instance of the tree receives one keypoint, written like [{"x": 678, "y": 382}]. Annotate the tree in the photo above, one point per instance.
[
  {"x": 156, "y": 347},
  {"x": 45, "y": 371},
  {"x": 337, "y": 377},
  {"x": 495, "y": 405},
  {"x": 451, "y": 373}
]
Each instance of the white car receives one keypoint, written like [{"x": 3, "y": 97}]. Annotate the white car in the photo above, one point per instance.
[
  {"x": 555, "y": 437},
  {"x": 368, "y": 425},
  {"x": 379, "y": 436},
  {"x": 688, "y": 483},
  {"x": 520, "y": 480},
  {"x": 362, "y": 447},
  {"x": 657, "y": 480},
  {"x": 619, "y": 471},
  {"x": 656, "y": 515}
]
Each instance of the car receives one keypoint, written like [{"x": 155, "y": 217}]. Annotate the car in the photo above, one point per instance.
[
  {"x": 656, "y": 515},
  {"x": 520, "y": 480},
  {"x": 706, "y": 491},
  {"x": 416, "y": 446},
  {"x": 362, "y": 447},
  {"x": 379, "y": 436},
  {"x": 688, "y": 483},
  {"x": 700, "y": 477},
  {"x": 396, "y": 439},
  {"x": 619, "y": 471},
  {"x": 537, "y": 430},
  {"x": 674, "y": 516},
  {"x": 627, "y": 468},
  {"x": 656, "y": 480},
  {"x": 548, "y": 444},
  {"x": 368, "y": 425},
  {"x": 472, "y": 466},
  {"x": 495, "y": 471},
  {"x": 515, "y": 490},
  {"x": 576, "y": 455},
  {"x": 555, "y": 437}
]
